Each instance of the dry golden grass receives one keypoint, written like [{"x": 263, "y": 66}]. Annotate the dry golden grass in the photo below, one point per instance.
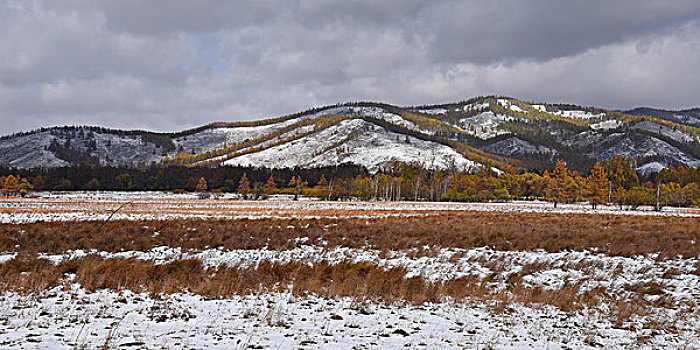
[
  {"x": 30, "y": 275},
  {"x": 362, "y": 281},
  {"x": 617, "y": 235}
]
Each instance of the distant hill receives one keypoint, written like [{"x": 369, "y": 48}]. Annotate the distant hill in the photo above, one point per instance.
[
  {"x": 686, "y": 117},
  {"x": 492, "y": 131}
]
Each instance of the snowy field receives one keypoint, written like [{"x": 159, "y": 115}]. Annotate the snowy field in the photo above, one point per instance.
[
  {"x": 69, "y": 317},
  {"x": 73, "y": 319},
  {"x": 98, "y": 206},
  {"x": 505, "y": 299}
]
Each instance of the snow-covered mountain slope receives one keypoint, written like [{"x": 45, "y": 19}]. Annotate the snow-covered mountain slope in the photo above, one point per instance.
[
  {"x": 460, "y": 135},
  {"x": 516, "y": 147},
  {"x": 485, "y": 125},
  {"x": 689, "y": 117},
  {"x": 29, "y": 151},
  {"x": 65, "y": 146},
  {"x": 362, "y": 143},
  {"x": 220, "y": 137}
]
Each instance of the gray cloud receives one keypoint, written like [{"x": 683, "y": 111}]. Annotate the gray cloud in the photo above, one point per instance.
[
  {"x": 167, "y": 65},
  {"x": 484, "y": 31}
]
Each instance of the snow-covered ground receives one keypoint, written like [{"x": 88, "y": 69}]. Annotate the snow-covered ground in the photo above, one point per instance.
[
  {"x": 109, "y": 320},
  {"x": 653, "y": 167},
  {"x": 98, "y": 206},
  {"x": 433, "y": 111},
  {"x": 606, "y": 125},
  {"x": 70, "y": 317},
  {"x": 576, "y": 114},
  {"x": 579, "y": 114},
  {"x": 475, "y": 107},
  {"x": 671, "y": 132}
]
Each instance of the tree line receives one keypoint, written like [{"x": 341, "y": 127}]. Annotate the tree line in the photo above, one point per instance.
[{"x": 610, "y": 181}]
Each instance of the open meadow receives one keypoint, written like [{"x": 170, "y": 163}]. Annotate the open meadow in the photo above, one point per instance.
[{"x": 163, "y": 271}]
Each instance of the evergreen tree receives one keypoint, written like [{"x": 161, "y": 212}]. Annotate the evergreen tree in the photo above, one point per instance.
[
  {"x": 322, "y": 181},
  {"x": 597, "y": 185},
  {"x": 202, "y": 188},
  {"x": 621, "y": 172},
  {"x": 124, "y": 181},
  {"x": 64, "y": 185},
  {"x": 560, "y": 184},
  {"x": 93, "y": 184},
  {"x": 244, "y": 186},
  {"x": 39, "y": 182},
  {"x": 298, "y": 184},
  {"x": 270, "y": 186},
  {"x": 11, "y": 186},
  {"x": 24, "y": 187}
]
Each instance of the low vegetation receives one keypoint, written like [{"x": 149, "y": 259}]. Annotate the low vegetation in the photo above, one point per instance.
[
  {"x": 614, "y": 235},
  {"x": 363, "y": 281}
]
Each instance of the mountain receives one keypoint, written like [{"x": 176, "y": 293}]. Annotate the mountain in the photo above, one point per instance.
[
  {"x": 485, "y": 131},
  {"x": 689, "y": 117}
]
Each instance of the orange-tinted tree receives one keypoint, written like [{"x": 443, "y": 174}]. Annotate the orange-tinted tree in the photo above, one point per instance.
[
  {"x": 597, "y": 185},
  {"x": 244, "y": 186}
]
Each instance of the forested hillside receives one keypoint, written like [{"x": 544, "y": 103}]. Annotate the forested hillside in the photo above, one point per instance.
[{"x": 492, "y": 132}]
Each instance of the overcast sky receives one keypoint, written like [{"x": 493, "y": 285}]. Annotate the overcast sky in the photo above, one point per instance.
[{"x": 171, "y": 64}]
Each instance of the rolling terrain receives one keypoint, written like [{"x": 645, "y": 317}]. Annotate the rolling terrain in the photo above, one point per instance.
[{"x": 491, "y": 131}]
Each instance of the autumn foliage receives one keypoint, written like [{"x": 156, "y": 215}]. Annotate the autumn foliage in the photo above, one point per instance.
[
  {"x": 613, "y": 181},
  {"x": 12, "y": 185}
]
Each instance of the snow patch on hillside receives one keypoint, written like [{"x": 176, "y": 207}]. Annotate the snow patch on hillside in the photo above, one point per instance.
[
  {"x": 688, "y": 119},
  {"x": 643, "y": 147},
  {"x": 515, "y": 108},
  {"x": 653, "y": 167},
  {"x": 540, "y": 108},
  {"x": 606, "y": 125},
  {"x": 475, "y": 107},
  {"x": 509, "y": 105},
  {"x": 381, "y": 114},
  {"x": 372, "y": 147},
  {"x": 435, "y": 111},
  {"x": 216, "y": 138},
  {"x": 485, "y": 125},
  {"x": 578, "y": 114}
]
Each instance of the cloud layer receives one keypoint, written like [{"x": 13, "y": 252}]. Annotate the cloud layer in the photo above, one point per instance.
[{"x": 168, "y": 65}]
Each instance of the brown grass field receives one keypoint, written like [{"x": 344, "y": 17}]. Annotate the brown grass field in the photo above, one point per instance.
[
  {"x": 648, "y": 293},
  {"x": 615, "y": 235}
]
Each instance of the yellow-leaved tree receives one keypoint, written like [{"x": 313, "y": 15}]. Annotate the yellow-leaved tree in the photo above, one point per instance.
[{"x": 597, "y": 185}]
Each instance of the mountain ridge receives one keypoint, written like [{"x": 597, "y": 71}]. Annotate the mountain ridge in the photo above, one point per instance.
[
  {"x": 689, "y": 116},
  {"x": 494, "y": 131}
]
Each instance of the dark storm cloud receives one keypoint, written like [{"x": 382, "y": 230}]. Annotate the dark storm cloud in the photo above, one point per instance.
[
  {"x": 485, "y": 31},
  {"x": 167, "y": 65}
]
